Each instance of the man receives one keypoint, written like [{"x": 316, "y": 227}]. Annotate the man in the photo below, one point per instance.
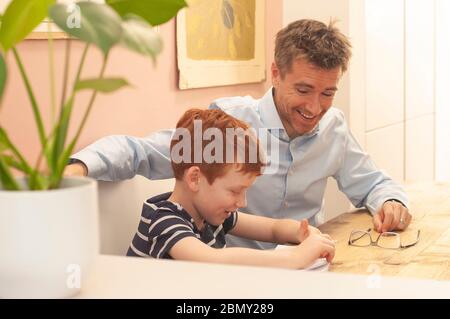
[{"x": 313, "y": 140}]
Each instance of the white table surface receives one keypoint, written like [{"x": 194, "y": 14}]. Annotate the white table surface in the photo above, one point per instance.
[{"x": 128, "y": 277}]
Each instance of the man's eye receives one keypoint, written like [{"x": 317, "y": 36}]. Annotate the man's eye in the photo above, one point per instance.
[
  {"x": 328, "y": 94},
  {"x": 302, "y": 91}
]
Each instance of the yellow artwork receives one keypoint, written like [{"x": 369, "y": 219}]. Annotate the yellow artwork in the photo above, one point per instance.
[
  {"x": 221, "y": 30},
  {"x": 221, "y": 42}
]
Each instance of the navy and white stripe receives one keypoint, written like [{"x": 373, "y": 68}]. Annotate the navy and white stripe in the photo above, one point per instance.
[{"x": 164, "y": 223}]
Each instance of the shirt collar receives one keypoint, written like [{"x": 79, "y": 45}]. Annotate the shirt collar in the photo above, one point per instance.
[
  {"x": 268, "y": 112},
  {"x": 271, "y": 119}
]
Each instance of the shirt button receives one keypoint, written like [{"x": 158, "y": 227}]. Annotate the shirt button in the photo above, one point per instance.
[{"x": 285, "y": 204}]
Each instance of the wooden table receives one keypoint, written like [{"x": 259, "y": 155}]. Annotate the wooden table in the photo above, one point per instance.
[
  {"x": 126, "y": 277},
  {"x": 429, "y": 259}
]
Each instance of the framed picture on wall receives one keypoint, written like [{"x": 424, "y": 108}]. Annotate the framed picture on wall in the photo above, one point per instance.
[{"x": 221, "y": 42}]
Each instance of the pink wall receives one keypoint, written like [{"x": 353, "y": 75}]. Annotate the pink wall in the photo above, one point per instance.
[{"x": 154, "y": 101}]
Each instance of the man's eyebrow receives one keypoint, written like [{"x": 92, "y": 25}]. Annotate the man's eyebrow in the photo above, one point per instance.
[
  {"x": 303, "y": 84},
  {"x": 309, "y": 86}
]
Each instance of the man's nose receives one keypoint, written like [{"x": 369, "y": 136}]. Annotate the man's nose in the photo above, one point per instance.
[{"x": 314, "y": 106}]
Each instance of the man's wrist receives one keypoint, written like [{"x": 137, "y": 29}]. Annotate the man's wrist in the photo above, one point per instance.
[
  {"x": 77, "y": 162},
  {"x": 395, "y": 200}
]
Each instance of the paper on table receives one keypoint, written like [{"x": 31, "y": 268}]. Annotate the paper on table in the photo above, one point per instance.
[{"x": 321, "y": 264}]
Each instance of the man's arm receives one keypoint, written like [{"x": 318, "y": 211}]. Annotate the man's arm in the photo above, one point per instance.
[
  {"x": 295, "y": 257},
  {"x": 120, "y": 157},
  {"x": 367, "y": 186}
]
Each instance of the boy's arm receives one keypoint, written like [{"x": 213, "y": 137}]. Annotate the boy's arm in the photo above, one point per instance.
[
  {"x": 280, "y": 231},
  {"x": 301, "y": 256}
]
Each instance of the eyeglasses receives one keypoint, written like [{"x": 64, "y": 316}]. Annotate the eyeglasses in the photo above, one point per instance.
[{"x": 389, "y": 240}]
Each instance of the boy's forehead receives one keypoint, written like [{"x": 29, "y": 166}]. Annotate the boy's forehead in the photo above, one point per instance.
[{"x": 235, "y": 176}]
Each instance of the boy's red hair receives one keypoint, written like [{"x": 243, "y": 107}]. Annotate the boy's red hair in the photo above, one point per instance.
[{"x": 219, "y": 120}]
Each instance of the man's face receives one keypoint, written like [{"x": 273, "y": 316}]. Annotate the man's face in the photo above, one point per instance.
[
  {"x": 225, "y": 195},
  {"x": 303, "y": 95}
]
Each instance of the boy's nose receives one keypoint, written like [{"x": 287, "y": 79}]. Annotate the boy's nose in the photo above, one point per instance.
[{"x": 242, "y": 202}]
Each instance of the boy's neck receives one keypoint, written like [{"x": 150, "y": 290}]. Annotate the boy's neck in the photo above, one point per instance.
[{"x": 183, "y": 196}]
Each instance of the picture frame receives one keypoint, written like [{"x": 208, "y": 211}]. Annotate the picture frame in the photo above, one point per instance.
[{"x": 221, "y": 42}]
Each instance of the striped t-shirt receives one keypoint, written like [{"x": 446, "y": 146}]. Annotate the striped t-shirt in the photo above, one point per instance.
[{"x": 164, "y": 223}]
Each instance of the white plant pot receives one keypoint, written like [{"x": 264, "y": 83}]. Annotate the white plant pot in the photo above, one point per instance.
[{"x": 48, "y": 239}]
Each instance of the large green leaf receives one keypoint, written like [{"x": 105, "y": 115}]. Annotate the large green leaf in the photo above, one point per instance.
[
  {"x": 103, "y": 85},
  {"x": 140, "y": 37},
  {"x": 3, "y": 74},
  {"x": 20, "y": 18},
  {"x": 91, "y": 22},
  {"x": 155, "y": 12}
]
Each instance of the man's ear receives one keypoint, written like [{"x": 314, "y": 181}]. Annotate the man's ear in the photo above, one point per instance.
[
  {"x": 275, "y": 74},
  {"x": 192, "y": 178}
]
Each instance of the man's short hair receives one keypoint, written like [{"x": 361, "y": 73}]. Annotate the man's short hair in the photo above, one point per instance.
[
  {"x": 244, "y": 146},
  {"x": 323, "y": 46}
]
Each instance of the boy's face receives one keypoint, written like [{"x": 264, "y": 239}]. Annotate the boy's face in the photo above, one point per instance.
[{"x": 216, "y": 202}]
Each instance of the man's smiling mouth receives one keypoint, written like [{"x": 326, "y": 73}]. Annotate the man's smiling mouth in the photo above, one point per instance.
[{"x": 305, "y": 116}]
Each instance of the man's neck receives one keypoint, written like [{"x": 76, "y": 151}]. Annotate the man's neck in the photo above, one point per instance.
[{"x": 183, "y": 196}]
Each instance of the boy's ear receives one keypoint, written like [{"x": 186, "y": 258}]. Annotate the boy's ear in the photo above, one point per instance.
[{"x": 192, "y": 178}]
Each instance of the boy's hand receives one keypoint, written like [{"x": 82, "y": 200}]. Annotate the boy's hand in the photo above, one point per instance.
[
  {"x": 76, "y": 169},
  {"x": 315, "y": 246},
  {"x": 305, "y": 230}
]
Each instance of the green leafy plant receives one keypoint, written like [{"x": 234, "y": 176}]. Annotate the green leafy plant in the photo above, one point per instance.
[{"x": 127, "y": 23}]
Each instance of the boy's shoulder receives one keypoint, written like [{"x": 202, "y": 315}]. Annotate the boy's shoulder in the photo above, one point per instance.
[{"x": 159, "y": 207}]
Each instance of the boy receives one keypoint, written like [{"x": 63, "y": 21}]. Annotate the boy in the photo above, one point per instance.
[{"x": 191, "y": 222}]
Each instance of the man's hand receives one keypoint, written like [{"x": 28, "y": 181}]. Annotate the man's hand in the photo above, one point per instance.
[
  {"x": 391, "y": 216},
  {"x": 76, "y": 169}
]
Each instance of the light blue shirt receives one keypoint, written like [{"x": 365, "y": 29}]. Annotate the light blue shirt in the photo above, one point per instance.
[{"x": 294, "y": 190}]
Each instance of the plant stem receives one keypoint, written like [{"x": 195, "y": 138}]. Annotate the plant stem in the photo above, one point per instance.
[
  {"x": 62, "y": 161},
  {"x": 16, "y": 152},
  {"x": 51, "y": 64},
  {"x": 80, "y": 67},
  {"x": 37, "y": 114},
  {"x": 66, "y": 67},
  {"x": 66, "y": 73},
  {"x": 91, "y": 101}
]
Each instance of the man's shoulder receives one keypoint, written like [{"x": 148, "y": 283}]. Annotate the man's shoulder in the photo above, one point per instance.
[
  {"x": 334, "y": 119},
  {"x": 336, "y": 114},
  {"x": 231, "y": 102},
  {"x": 244, "y": 108}
]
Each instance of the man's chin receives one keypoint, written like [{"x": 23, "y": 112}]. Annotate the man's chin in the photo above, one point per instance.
[{"x": 306, "y": 130}]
